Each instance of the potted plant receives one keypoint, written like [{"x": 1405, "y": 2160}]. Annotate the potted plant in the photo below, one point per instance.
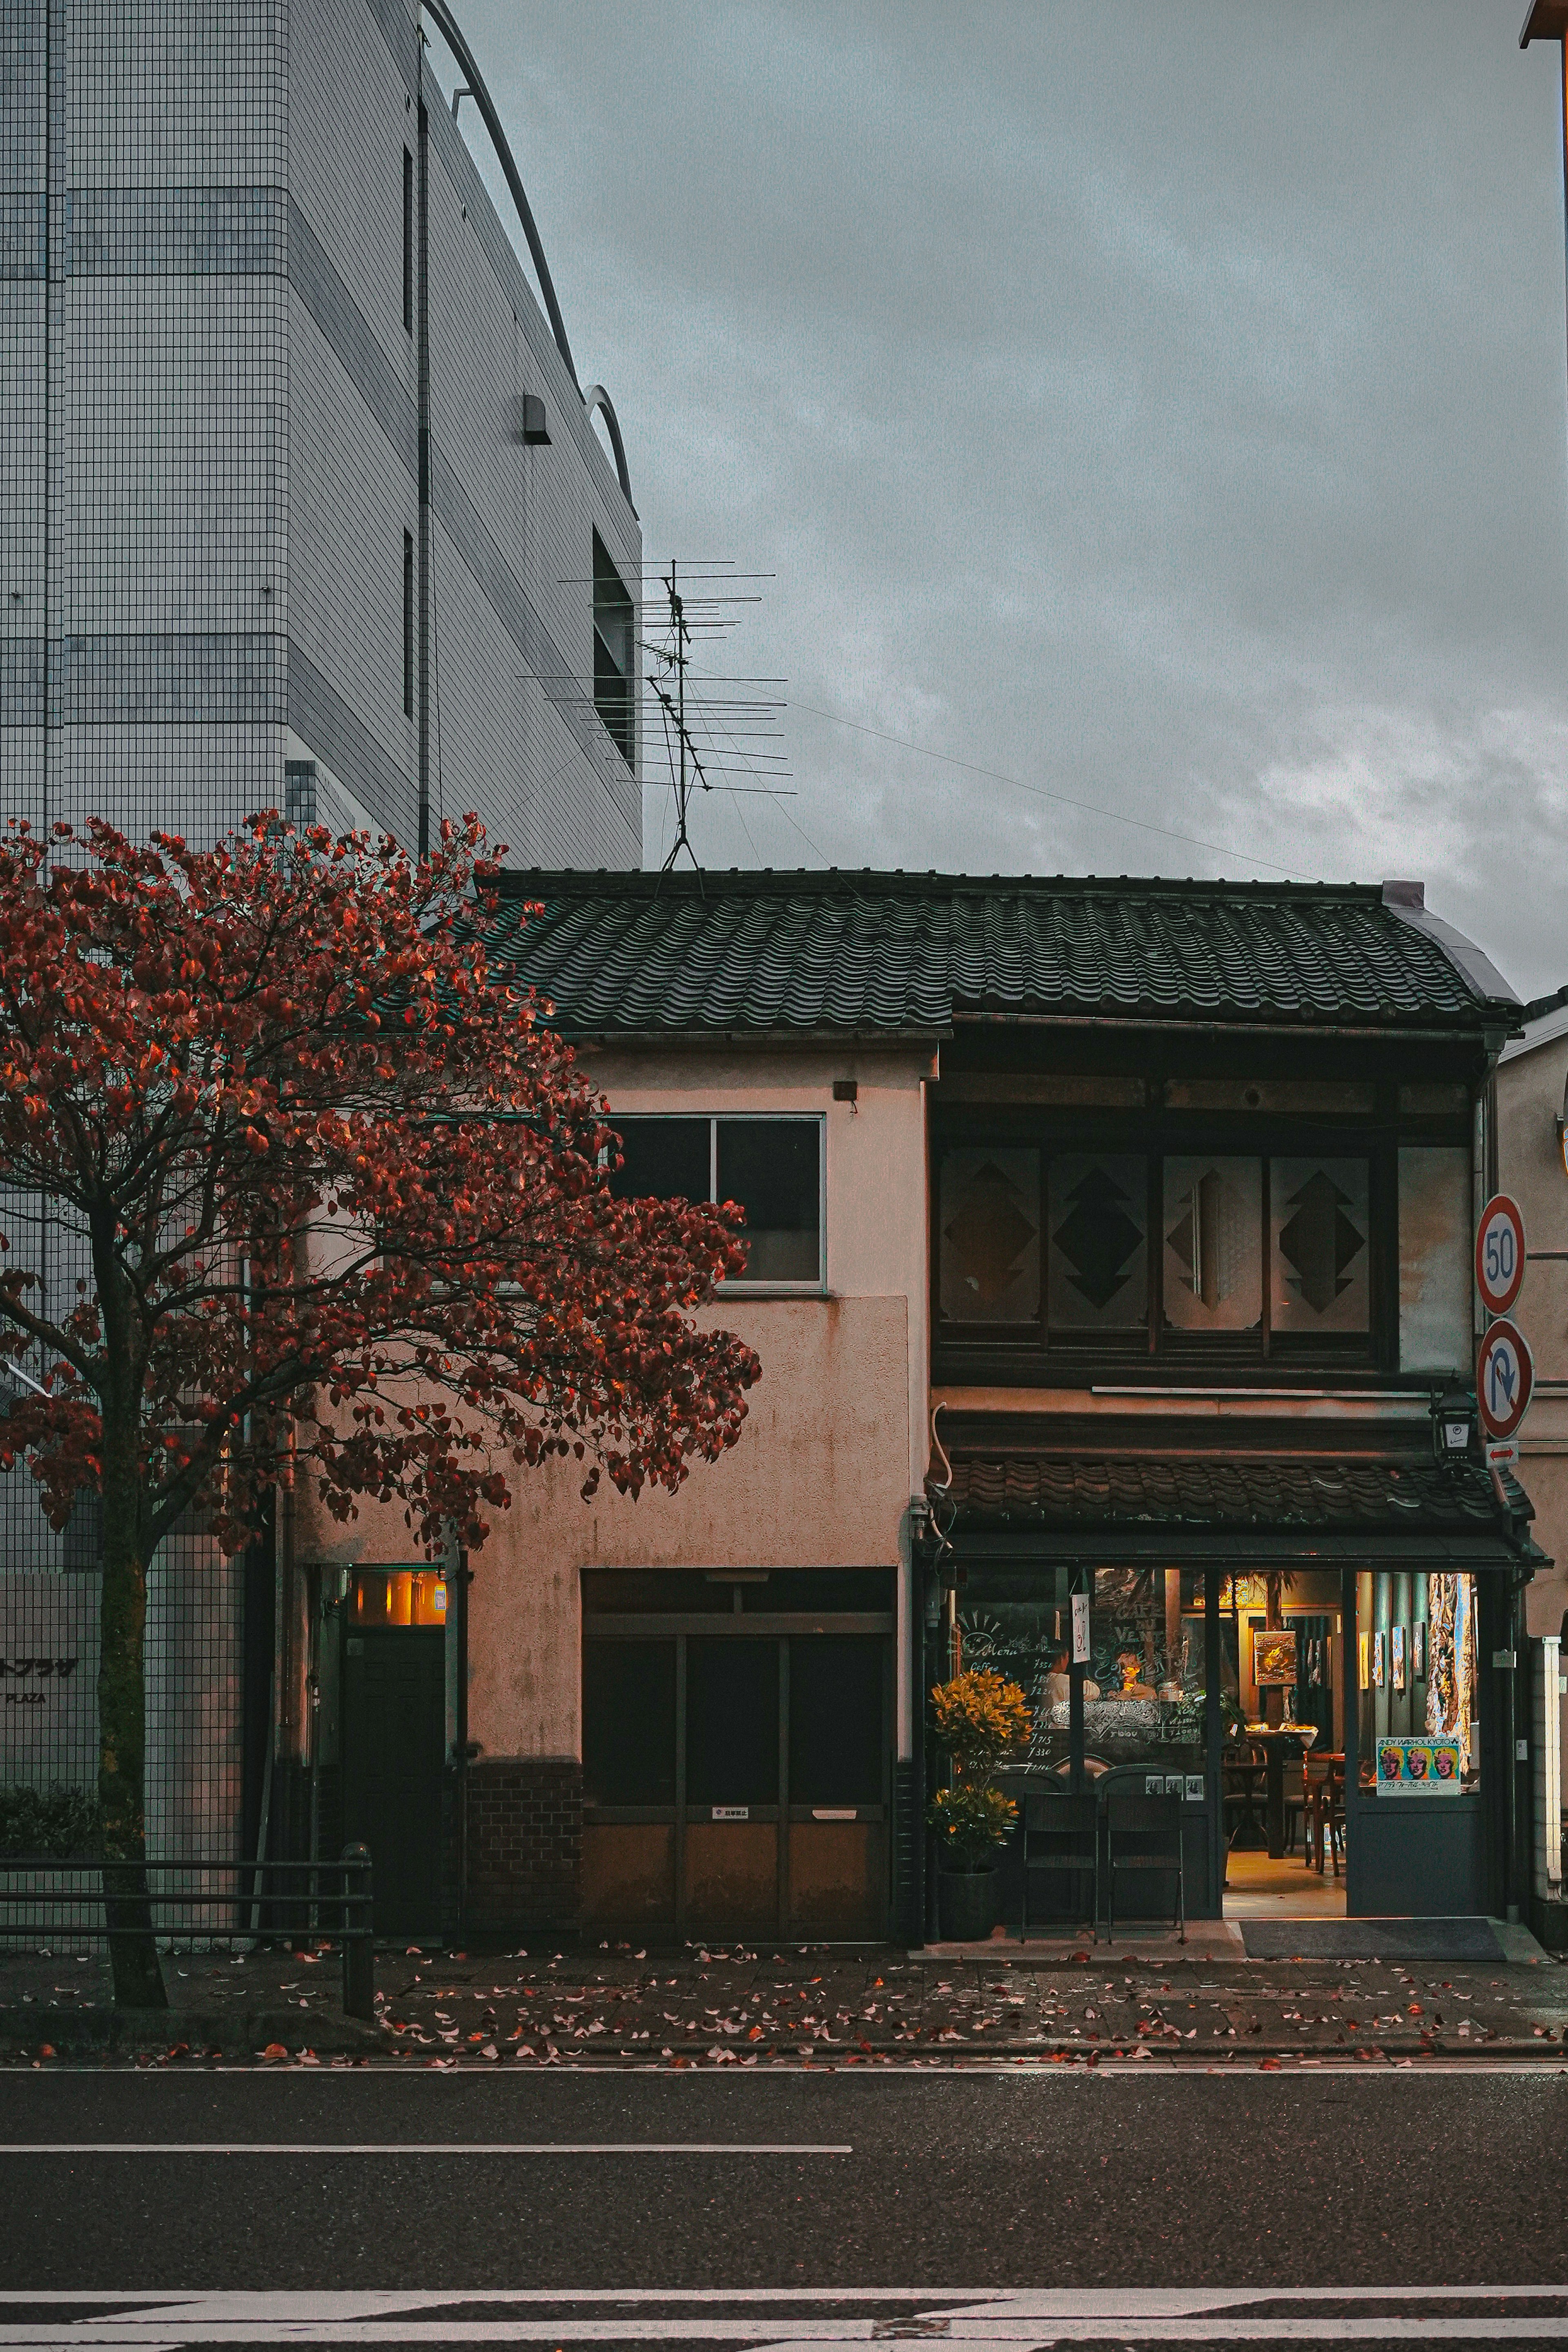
[{"x": 978, "y": 1718}]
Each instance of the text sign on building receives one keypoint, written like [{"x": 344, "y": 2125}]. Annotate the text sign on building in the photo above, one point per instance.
[
  {"x": 1500, "y": 1254},
  {"x": 1418, "y": 1767},
  {"x": 1079, "y": 1629},
  {"x": 1504, "y": 1377}
]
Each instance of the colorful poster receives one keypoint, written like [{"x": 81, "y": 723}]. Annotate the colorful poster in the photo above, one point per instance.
[
  {"x": 1432, "y": 1766},
  {"x": 1396, "y": 1655},
  {"x": 1379, "y": 1672},
  {"x": 1364, "y": 1671}
]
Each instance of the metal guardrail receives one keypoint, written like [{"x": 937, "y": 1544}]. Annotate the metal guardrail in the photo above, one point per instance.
[{"x": 193, "y": 1902}]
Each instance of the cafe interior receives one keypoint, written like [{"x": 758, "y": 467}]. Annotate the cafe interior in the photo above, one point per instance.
[{"x": 1233, "y": 1688}]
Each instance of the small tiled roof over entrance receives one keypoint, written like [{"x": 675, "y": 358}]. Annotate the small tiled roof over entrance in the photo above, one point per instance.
[
  {"x": 1244, "y": 1491},
  {"x": 684, "y": 954}
]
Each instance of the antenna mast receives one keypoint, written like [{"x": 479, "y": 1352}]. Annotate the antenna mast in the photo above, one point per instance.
[
  {"x": 709, "y": 735},
  {"x": 677, "y": 659}
]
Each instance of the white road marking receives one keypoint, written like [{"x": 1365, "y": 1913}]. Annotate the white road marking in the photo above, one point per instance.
[
  {"x": 419, "y": 2147},
  {"x": 1002, "y": 2320}
]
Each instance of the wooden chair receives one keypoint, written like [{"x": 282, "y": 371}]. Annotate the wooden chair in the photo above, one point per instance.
[
  {"x": 1062, "y": 1834},
  {"x": 1295, "y": 1800},
  {"x": 1325, "y": 1810},
  {"x": 1144, "y": 1833}
]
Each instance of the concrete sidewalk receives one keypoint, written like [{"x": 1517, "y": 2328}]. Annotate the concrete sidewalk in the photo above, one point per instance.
[{"x": 774, "y": 2004}]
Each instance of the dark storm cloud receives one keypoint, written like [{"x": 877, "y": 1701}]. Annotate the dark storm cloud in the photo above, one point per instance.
[{"x": 1162, "y": 405}]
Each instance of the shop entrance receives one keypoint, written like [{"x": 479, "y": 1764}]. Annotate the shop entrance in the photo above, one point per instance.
[
  {"x": 1324, "y": 1727},
  {"x": 737, "y": 1751}
]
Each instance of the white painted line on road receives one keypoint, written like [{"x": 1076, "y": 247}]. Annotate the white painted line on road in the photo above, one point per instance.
[
  {"x": 998, "y": 2320},
  {"x": 1048, "y": 2328},
  {"x": 420, "y": 2148}
]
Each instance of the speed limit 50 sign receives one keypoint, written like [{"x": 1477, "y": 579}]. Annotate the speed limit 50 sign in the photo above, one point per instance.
[{"x": 1500, "y": 1254}]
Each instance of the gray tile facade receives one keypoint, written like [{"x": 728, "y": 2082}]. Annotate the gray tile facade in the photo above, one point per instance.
[
  {"x": 210, "y": 442},
  {"x": 218, "y": 435}
]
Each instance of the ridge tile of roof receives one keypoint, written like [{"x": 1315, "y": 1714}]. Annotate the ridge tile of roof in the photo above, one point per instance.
[{"x": 824, "y": 950}]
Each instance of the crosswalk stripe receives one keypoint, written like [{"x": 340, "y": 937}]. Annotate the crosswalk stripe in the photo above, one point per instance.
[{"x": 997, "y": 2320}]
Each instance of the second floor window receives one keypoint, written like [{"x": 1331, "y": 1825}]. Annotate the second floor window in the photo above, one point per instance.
[
  {"x": 615, "y": 654},
  {"x": 1177, "y": 1250},
  {"x": 771, "y": 1167}
]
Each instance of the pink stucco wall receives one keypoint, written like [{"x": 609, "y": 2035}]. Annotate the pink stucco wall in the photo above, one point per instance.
[{"x": 834, "y": 1445}]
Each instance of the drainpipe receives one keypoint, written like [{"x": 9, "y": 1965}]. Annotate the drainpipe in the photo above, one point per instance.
[{"x": 463, "y": 1750}]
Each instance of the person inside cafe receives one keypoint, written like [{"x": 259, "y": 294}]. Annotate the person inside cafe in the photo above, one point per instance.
[{"x": 1058, "y": 1681}]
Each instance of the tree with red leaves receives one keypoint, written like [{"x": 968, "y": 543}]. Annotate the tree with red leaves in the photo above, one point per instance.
[{"x": 338, "y": 1203}]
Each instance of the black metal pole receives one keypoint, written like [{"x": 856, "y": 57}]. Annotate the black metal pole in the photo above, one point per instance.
[{"x": 357, "y": 1924}]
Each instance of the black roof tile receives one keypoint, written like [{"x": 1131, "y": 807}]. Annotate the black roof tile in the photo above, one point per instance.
[
  {"x": 829, "y": 950},
  {"x": 1254, "y": 1491}
]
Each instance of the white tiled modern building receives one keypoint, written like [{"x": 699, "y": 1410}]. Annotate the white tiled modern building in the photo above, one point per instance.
[
  {"x": 301, "y": 500},
  {"x": 302, "y": 506}
]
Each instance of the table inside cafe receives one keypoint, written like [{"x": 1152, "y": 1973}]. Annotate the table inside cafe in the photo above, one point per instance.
[{"x": 1277, "y": 1741}]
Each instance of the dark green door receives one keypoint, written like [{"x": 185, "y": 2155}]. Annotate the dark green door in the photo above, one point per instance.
[{"x": 394, "y": 1715}]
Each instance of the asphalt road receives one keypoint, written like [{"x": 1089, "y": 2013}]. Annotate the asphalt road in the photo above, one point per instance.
[{"x": 1050, "y": 2177}]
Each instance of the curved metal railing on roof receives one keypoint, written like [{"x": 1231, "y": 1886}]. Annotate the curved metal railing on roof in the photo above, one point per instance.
[
  {"x": 598, "y": 397},
  {"x": 452, "y": 34}
]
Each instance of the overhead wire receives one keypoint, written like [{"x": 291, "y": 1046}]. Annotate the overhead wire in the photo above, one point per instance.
[{"x": 1040, "y": 792}]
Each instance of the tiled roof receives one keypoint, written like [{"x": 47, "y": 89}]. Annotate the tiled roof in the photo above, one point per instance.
[
  {"x": 887, "y": 952},
  {"x": 1255, "y": 1491}
]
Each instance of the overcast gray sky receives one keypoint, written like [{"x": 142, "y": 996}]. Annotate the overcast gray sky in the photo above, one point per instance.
[{"x": 1161, "y": 405}]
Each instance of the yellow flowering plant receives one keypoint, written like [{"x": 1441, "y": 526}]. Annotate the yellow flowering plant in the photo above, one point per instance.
[{"x": 978, "y": 1718}]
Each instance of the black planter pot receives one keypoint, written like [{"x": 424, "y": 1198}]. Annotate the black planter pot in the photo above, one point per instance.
[{"x": 967, "y": 1904}]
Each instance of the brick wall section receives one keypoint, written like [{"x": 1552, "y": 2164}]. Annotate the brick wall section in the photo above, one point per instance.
[{"x": 525, "y": 1843}]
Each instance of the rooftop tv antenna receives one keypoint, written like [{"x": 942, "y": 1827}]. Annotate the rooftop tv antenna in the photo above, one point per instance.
[{"x": 708, "y": 736}]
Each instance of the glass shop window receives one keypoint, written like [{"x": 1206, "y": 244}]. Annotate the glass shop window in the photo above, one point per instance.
[
  {"x": 1417, "y": 1685},
  {"x": 771, "y": 1167},
  {"x": 1143, "y": 1687},
  {"x": 1214, "y": 1244},
  {"x": 1098, "y": 1255},
  {"x": 1144, "y": 1694},
  {"x": 1318, "y": 1222},
  {"x": 629, "y": 1722},
  {"x": 989, "y": 1236}
]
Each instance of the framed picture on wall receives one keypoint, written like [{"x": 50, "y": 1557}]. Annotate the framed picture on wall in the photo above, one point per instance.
[
  {"x": 1397, "y": 1656},
  {"x": 1418, "y": 1650},
  {"x": 1363, "y": 1659},
  {"x": 1275, "y": 1664},
  {"x": 1379, "y": 1664}
]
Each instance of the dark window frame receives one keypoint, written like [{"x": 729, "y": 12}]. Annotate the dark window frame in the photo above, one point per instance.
[
  {"x": 407, "y": 242},
  {"x": 1032, "y": 1353},
  {"x": 408, "y": 624},
  {"x": 810, "y": 1286},
  {"x": 614, "y": 675}
]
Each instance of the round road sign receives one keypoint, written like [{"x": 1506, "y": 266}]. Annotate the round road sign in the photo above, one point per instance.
[
  {"x": 1504, "y": 1378},
  {"x": 1500, "y": 1254}
]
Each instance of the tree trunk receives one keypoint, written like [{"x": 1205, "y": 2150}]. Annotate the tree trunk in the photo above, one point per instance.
[{"x": 121, "y": 1737}]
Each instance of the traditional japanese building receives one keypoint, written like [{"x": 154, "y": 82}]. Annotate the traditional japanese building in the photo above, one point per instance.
[{"x": 1108, "y": 1241}]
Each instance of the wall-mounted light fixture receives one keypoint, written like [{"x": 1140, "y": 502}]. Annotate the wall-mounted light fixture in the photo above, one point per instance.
[{"x": 1453, "y": 1427}]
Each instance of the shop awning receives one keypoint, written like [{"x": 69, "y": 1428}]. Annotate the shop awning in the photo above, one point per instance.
[{"x": 1190, "y": 1508}]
